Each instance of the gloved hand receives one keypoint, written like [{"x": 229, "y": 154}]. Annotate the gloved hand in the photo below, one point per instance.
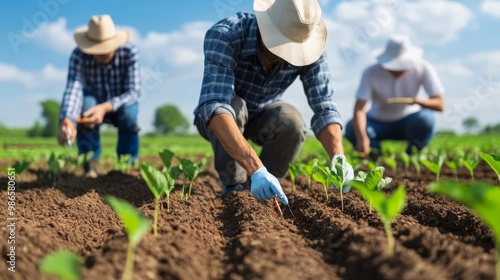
[
  {"x": 265, "y": 186},
  {"x": 348, "y": 173}
]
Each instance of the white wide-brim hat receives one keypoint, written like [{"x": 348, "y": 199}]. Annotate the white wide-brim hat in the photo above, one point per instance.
[
  {"x": 292, "y": 29},
  {"x": 399, "y": 54},
  {"x": 100, "y": 37}
]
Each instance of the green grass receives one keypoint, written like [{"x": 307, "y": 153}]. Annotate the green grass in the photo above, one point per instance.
[{"x": 16, "y": 146}]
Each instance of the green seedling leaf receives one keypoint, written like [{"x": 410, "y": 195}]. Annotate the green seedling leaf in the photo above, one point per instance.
[
  {"x": 321, "y": 176},
  {"x": 166, "y": 157},
  {"x": 157, "y": 183},
  {"x": 309, "y": 170},
  {"x": 405, "y": 158},
  {"x": 294, "y": 171},
  {"x": 371, "y": 180},
  {"x": 482, "y": 198},
  {"x": 169, "y": 188},
  {"x": 471, "y": 163},
  {"x": 391, "y": 162},
  {"x": 493, "y": 160},
  {"x": 20, "y": 166},
  {"x": 155, "y": 179},
  {"x": 64, "y": 265},
  {"x": 135, "y": 225},
  {"x": 336, "y": 176},
  {"x": 387, "y": 207},
  {"x": 435, "y": 165},
  {"x": 191, "y": 171}
]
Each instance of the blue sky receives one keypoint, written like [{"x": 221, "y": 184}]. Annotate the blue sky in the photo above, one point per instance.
[{"x": 460, "y": 38}]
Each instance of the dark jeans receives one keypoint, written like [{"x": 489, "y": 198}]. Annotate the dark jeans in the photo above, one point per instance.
[
  {"x": 417, "y": 129},
  {"x": 125, "y": 119},
  {"x": 279, "y": 129}
]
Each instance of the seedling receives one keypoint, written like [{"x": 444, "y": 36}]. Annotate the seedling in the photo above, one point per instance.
[
  {"x": 481, "y": 198},
  {"x": 294, "y": 171},
  {"x": 471, "y": 163},
  {"x": 56, "y": 164},
  {"x": 371, "y": 180},
  {"x": 309, "y": 170},
  {"x": 20, "y": 166},
  {"x": 169, "y": 188},
  {"x": 124, "y": 163},
  {"x": 405, "y": 158},
  {"x": 435, "y": 165},
  {"x": 157, "y": 183},
  {"x": 191, "y": 171},
  {"x": 493, "y": 160},
  {"x": 387, "y": 207},
  {"x": 135, "y": 225},
  {"x": 334, "y": 176},
  {"x": 321, "y": 175},
  {"x": 166, "y": 157},
  {"x": 391, "y": 162},
  {"x": 415, "y": 161},
  {"x": 64, "y": 265}
]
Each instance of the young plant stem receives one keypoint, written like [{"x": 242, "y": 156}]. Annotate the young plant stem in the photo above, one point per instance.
[
  {"x": 190, "y": 187},
  {"x": 168, "y": 202},
  {"x": 341, "y": 199},
  {"x": 129, "y": 264},
  {"x": 370, "y": 211},
  {"x": 155, "y": 222},
  {"x": 390, "y": 238}
]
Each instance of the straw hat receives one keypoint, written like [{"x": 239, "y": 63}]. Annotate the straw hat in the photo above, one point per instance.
[
  {"x": 292, "y": 29},
  {"x": 399, "y": 54},
  {"x": 101, "y": 36}
]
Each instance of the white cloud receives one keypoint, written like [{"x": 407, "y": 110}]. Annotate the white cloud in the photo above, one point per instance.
[
  {"x": 434, "y": 22},
  {"x": 180, "y": 48},
  {"x": 47, "y": 76},
  {"x": 55, "y": 36},
  {"x": 491, "y": 8}
]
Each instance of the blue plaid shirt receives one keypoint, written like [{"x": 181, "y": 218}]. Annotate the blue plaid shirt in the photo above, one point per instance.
[
  {"x": 233, "y": 67},
  {"x": 118, "y": 82}
]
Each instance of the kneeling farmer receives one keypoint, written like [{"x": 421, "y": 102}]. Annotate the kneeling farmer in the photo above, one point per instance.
[
  {"x": 250, "y": 60},
  {"x": 103, "y": 86}
]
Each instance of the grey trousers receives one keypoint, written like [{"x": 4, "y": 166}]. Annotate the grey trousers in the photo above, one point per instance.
[{"x": 279, "y": 129}]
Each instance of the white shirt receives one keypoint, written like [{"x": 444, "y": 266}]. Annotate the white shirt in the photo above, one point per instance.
[{"x": 377, "y": 84}]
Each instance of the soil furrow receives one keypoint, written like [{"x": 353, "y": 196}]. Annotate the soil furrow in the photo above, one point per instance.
[{"x": 358, "y": 251}]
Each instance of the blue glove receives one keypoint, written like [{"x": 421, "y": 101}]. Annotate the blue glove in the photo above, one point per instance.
[
  {"x": 348, "y": 175},
  {"x": 265, "y": 186}
]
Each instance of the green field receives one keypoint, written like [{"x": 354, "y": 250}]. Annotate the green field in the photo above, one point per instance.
[{"x": 15, "y": 146}]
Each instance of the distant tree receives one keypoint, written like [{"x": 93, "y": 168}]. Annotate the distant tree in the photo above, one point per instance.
[
  {"x": 169, "y": 120},
  {"x": 51, "y": 115},
  {"x": 491, "y": 129},
  {"x": 36, "y": 130},
  {"x": 470, "y": 124}
]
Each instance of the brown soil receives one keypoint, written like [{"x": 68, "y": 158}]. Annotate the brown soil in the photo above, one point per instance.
[{"x": 236, "y": 237}]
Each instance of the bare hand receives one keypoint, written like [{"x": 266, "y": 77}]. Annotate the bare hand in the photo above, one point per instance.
[
  {"x": 363, "y": 147},
  {"x": 67, "y": 129},
  {"x": 96, "y": 114}
]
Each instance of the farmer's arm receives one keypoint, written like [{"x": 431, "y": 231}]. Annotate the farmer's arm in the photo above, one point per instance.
[
  {"x": 71, "y": 104},
  {"x": 228, "y": 133},
  {"x": 217, "y": 92},
  {"x": 434, "y": 88},
  {"x": 359, "y": 125},
  {"x": 435, "y": 103},
  {"x": 326, "y": 119},
  {"x": 331, "y": 139}
]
